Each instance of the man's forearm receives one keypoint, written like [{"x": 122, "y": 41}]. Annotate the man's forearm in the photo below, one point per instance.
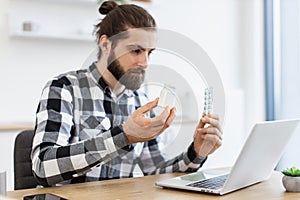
[{"x": 53, "y": 164}]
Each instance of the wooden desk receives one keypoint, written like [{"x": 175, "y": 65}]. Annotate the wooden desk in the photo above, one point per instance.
[
  {"x": 144, "y": 188},
  {"x": 16, "y": 126}
]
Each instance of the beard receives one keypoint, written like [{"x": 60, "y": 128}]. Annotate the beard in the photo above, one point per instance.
[{"x": 132, "y": 79}]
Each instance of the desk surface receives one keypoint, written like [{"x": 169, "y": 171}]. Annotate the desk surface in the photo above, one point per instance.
[{"x": 144, "y": 188}]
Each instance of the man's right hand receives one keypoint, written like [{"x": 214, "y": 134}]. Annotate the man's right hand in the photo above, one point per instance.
[{"x": 139, "y": 128}]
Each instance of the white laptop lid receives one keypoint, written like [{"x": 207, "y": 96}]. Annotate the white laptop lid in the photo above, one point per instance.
[
  {"x": 255, "y": 163},
  {"x": 260, "y": 154}
]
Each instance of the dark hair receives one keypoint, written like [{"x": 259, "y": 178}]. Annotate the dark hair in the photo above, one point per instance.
[{"x": 120, "y": 18}]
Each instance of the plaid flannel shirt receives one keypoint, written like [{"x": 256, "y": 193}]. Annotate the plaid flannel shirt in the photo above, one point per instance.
[{"x": 79, "y": 136}]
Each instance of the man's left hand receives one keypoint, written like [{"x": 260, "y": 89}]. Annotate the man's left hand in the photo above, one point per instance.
[{"x": 208, "y": 135}]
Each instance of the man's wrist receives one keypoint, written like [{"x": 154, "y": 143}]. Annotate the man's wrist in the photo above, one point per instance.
[
  {"x": 119, "y": 137},
  {"x": 126, "y": 136},
  {"x": 192, "y": 153}
]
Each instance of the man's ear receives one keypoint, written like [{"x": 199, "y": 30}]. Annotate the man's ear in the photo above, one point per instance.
[{"x": 105, "y": 44}]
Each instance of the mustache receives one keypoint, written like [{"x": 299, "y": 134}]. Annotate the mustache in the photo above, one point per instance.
[{"x": 137, "y": 70}]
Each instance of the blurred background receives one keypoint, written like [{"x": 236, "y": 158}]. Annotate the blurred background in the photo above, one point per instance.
[{"x": 253, "y": 44}]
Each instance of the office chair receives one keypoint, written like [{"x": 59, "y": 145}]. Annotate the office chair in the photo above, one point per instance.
[{"x": 22, "y": 161}]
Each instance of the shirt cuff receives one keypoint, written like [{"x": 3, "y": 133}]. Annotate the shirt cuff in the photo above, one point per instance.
[
  {"x": 117, "y": 138},
  {"x": 108, "y": 146},
  {"x": 112, "y": 141},
  {"x": 192, "y": 155}
]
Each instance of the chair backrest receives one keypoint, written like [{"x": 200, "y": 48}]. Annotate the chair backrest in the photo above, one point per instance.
[{"x": 22, "y": 161}]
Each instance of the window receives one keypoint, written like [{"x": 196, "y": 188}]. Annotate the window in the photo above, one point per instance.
[{"x": 283, "y": 69}]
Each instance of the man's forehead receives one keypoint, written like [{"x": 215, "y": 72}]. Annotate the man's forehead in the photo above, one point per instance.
[{"x": 144, "y": 38}]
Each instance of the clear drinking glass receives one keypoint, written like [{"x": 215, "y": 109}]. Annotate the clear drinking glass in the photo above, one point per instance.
[{"x": 167, "y": 97}]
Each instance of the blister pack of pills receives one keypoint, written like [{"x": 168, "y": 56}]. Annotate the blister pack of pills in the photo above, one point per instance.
[{"x": 208, "y": 101}]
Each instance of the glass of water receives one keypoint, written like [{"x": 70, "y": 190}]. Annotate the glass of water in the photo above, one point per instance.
[{"x": 167, "y": 97}]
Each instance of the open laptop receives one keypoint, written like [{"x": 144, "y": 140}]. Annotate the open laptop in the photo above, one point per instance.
[{"x": 255, "y": 163}]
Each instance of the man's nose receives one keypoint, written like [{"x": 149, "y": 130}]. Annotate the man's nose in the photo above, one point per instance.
[{"x": 143, "y": 59}]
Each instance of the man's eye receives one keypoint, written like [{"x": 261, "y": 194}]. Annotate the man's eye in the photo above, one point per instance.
[
  {"x": 136, "y": 51},
  {"x": 150, "y": 52}
]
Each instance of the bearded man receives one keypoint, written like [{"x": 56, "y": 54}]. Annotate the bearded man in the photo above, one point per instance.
[{"x": 96, "y": 124}]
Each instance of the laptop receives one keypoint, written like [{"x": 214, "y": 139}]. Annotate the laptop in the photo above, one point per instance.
[{"x": 255, "y": 163}]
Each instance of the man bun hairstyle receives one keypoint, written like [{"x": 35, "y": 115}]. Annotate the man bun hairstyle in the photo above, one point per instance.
[
  {"x": 119, "y": 18},
  {"x": 107, "y": 6}
]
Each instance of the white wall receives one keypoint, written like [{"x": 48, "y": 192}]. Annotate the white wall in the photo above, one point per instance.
[
  {"x": 31, "y": 62},
  {"x": 26, "y": 65},
  {"x": 230, "y": 31}
]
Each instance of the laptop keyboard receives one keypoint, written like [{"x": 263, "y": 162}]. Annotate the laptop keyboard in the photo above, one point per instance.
[{"x": 212, "y": 183}]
